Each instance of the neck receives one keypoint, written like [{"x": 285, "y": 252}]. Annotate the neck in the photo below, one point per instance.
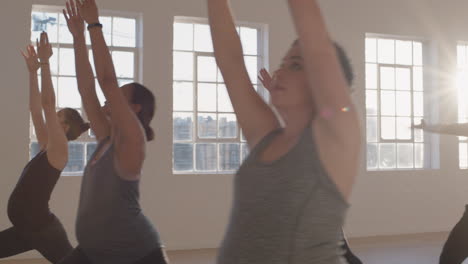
[{"x": 295, "y": 119}]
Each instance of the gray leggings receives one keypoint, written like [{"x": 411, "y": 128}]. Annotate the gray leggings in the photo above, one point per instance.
[{"x": 51, "y": 241}]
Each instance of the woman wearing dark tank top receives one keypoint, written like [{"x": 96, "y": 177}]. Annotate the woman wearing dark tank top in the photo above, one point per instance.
[
  {"x": 35, "y": 227},
  {"x": 111, "y": 227},
  {"x": 290, "y": 195}
]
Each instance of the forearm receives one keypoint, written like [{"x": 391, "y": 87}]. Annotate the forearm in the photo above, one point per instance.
[
  {"x": 34, "y": 94},
  {"x": 102, "y": 59},
  {"x": 84, "y": 71},
  {"x": 47, "y": 93},
  {"x": 226, "y": 42},
  {"x": 449, "y": 129}
]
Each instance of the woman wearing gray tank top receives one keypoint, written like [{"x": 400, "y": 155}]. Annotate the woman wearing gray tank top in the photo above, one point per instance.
[
  {"x": 291, "y": 193},
  {"x": 110, "y": 226}
]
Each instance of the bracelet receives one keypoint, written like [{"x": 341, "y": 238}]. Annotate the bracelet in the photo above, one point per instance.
[{"x": 90, "y": 26}]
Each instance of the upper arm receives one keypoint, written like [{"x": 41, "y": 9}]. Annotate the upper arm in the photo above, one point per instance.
[
  {"x": 40, "y": 128},
  {"x": 57, "y": 146},
  {"x": 255, "y": 117}
]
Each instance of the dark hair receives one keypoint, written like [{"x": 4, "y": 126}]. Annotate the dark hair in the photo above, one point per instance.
[
  {"x": 77, "y": 125},
  {"x": 344, "y": 60},
  {"x": 144, "y": 97}
]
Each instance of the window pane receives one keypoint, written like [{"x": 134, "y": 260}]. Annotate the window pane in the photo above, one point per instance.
[
  {"x": 33, "y": 149},
  {"x": 44, "y": 22},
  {"x": 463, "y": 155},
  {"x": 124, "y": 32},
  {"x": 404, "y": 128},
  {"x": 90, "y": 149},
  {"x": 224, "y": 102},
  {"x": 67, "y": 62},
  {"x": 387, "y": 103},
  {"x": 206, "y": 157},
  {"x": 403, "y": 79},
  {"x": 100, "y": 94},
  {"x": 183, "y": 157},
  {"x": 372, "y": 129},
  {"x": 183, "y": 36},
  {"x": 371, "y": 102},
  {"x": 68, "y": 95},
  {"x": 387, "y": 78},
  {"x": 207, "y": 126},
  {"x": 75, "y": 157},
  {"x": 417, "y": 53},
  {"x": 405, "y": 156},
  {"x": 207, "y": 69},
  {"x": 64, "y": 34},
  {"x": 419, "y": 156},
  {"x": 387, "y": 156},
  {"x": 220, "y": 76},
  {"x": 418, "y": 104},
  {"x": 418, "y": 82},
  {"x": 123, "y": 82},
  {"x": 183, "y": 66},
  {"x": 183, "y": 96},
  {"x": 404, "y": 50},
  {"x": 418, "y": 133},
  {"x": 124, "y": 63},
  {"x": 245, "y": 151},
  {"x": 227, "y": 126},
  {"x": 252, "y": 68},
  {"x": 249, "y": 40},
  {"x": 203, "y": 40},
  {"x": 371, "y": 50},
  {"x": 404, "y": 103},
  {"x": 461, "y": 56},
  {"x": 388, "y": 128},
  {"x": 386, "y": 49},
  {"x": 207, "y": 97},
  {"x": 229, "y": 157},
  {"x": 371, "y": 76},
  {"x": 183, "y": 126},
  {"x": 372, "y": 156}
]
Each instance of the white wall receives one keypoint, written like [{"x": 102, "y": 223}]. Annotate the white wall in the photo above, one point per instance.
[{"x": 191, "y": 211}]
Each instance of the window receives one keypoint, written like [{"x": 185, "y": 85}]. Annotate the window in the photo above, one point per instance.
[
  {"x": 394, "y": 101},
  {"x": 461, "y": 83},
  {"x": 121, "y": 35},
  {"x": 206, "y": 135}
]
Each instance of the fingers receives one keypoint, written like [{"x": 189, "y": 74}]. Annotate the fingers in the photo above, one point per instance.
[
  {"x": 73, "y": 7},
  {"x": 25, "y": 56},
  {"x": 69, "y": 11},
  {"x": 66, "y": 15},
  {"x": 37, "y": 43}
]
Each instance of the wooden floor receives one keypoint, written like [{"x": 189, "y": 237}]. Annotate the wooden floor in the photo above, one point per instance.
[{"x": 407, "y": 249}]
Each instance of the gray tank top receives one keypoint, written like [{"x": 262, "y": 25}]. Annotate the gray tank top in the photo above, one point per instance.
[
  {"x": 110, "y": 226},
  {"x": 285, "y": 212}
]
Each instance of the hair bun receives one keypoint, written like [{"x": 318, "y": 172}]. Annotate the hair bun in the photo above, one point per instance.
[{"x": 85, "y": 126}]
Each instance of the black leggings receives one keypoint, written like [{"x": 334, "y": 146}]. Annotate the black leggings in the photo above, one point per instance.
[
  {"x": 51, "y": 241},
  {"x": 77, "y": 256},
  {"x": 455, "y": 250}
]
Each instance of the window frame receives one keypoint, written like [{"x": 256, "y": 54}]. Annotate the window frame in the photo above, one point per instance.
[{"x": 262, "y": 62}]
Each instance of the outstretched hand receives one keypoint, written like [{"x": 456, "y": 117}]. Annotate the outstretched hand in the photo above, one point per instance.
[
  {"x": 74, "y": 20},
  {"x": 44, "y": 49},
  {"x": 420, "y": 126},
  {"x": 31, "y": 59},
  {"x": 88, "y": 11},
  {"x": 265, "y": 78}
]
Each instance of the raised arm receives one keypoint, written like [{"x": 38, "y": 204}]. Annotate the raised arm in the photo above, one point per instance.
[
  {"x": 449, "y": 129},
  {"x": 35, "y": 106},
  {"x": 255, "y": 117},
  {"x": 128, "y": 134},
  {"x": 57, "y": 146},
  {"x": 336, "y": 128},
  {"x": 84, "y": 73}
]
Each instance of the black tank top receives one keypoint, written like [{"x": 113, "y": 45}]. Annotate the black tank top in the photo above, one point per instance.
[{"x": 28, "y": 206}]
